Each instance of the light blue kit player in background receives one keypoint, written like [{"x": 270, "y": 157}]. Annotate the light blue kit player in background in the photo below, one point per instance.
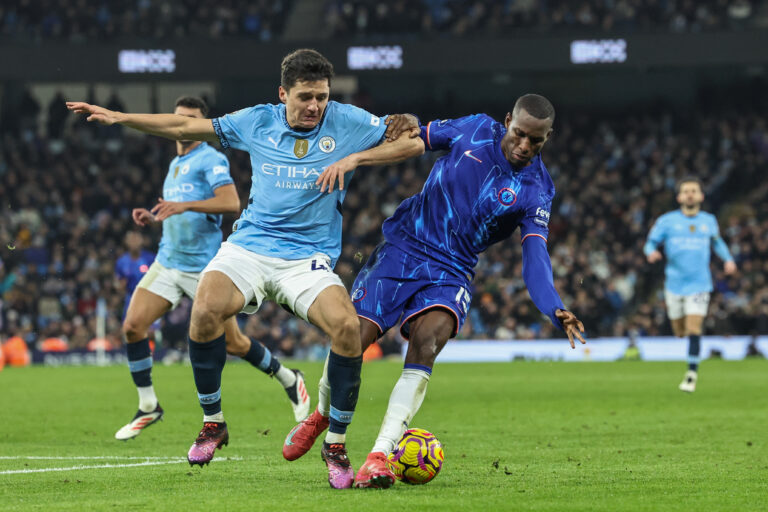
[
  {"x": 197, "y": 191},
  {"x": 287, "y": 240},
  {"x": 490, "y": 182},
  {"x": 688, "y": 236}
]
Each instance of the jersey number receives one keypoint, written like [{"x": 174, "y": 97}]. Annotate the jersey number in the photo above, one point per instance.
[
  {"x": 462, "y": 299},
  {"x": 318, "y": 266}
]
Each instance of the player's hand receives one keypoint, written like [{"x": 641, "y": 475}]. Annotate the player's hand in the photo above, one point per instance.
[
  {"x": 164, "y": 209},
  {"x": 654, "y": 257},
  {"x": 94, "y": 112},
  {"x": 399, "y": 123},
  {"x": 142, "y": 216},
  {"x": 572, "y": 325},
  {"x": 729, "y": 268},
  {"x": 336, "y": 171}
]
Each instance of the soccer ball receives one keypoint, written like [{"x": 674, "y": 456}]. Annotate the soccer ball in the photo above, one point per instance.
[{"x": 417, "y": 457}]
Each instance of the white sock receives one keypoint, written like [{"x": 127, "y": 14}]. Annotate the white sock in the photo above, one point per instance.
[
  {"x": 147, "y": 399},
  {"x": 404, "y": 403},
  {"x": 285, "y": 376},
  {"x": 332, "y": 438},
  {"x": 324, "y": 393},
  {"x": 215, "y": 418}
]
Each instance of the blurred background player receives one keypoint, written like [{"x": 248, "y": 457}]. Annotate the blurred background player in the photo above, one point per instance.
[
  {"x": 131, "y": 266},
  {"x": 491, "y": 182},
  {"x": 197, "y": 191},
  {"x": 286, "y": 243},
  {"x": 688, "y": 236}
]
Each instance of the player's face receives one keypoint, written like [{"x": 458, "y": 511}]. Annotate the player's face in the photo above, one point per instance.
[
  {"x": 305, "y": 103},
  {"x": 133, "y": 241},
  {"x": 690, "y": 195},
  {"x": 525, "y": 137},
  {"x": 188, "y": 112}
]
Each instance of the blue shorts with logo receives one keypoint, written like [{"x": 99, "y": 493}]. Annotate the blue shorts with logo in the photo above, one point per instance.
[{"x": 394, "y": 287}]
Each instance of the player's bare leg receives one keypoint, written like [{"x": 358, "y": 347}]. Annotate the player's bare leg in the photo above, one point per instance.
[
  {"x": 429, "y": 332},
  {"x": 144, "y": 309},
  {"x": 332, "y": 311},
  {"x": 217, "y": 300},
  {"x": 693, "y": 328},
  {"x": 292, "y": 380}
]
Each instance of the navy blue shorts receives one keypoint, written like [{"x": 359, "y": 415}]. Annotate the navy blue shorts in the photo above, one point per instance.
[{"x": 393, "y": 287}]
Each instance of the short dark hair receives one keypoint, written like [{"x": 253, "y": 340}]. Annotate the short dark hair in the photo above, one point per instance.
[
  {"x": 688, "y": 179},
  {"x": 193, "y": 102},
  {"x": 306, "y": 65},
  {"x": 536, "y": 105}
]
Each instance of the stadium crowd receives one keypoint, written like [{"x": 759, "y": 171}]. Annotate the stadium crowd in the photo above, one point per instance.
[
  {"x": 68, "y": 192},
  {"x": 509, "y": 17},
  {"x": 79, "y": 21}
]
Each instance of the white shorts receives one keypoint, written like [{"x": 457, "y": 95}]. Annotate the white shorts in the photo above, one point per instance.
[
  {"x": 679, "y": 306},
  {"x": 294, "y": 284},
  {"x": 169, "y": 283}
]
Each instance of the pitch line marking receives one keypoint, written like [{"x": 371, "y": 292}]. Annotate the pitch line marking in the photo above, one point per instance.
[{"x": 103, "y": 466}]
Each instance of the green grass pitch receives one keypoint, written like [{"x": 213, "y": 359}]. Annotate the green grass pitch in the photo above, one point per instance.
[{"x": 517, "y": 436}]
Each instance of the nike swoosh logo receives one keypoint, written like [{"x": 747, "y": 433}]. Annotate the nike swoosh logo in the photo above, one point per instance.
[
  {"x": 468, "y": 153},
  {"x": 289, "y": 439}
]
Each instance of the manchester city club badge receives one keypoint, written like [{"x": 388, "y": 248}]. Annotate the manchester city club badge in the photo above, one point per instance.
[{"x": 326, "y": 144}]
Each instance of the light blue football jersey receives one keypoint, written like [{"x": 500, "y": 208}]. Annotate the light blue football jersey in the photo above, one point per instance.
[
  {"x": 190, "y": 239},
  {"x": 287, "y": 216},
  {"x": 688, "y": 242}
]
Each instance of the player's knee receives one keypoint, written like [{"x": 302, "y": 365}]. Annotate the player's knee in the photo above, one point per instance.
[
  {"x": 427, "y": 347},
  {"x": 204, "y": 323},
  {"x": 345, "y": 334},
  {"x": 133, "y": 330}
]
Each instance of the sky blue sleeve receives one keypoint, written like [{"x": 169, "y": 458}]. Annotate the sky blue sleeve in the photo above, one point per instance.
[
  {"x": 367, "y": 129},
  {"x": 537, "y": 274},
  {"x": 718, "y": 244},
  {"x": 236, "y": 129},
  {"x": 655, "y": 237},
  {"x": 217, "y": 171},
  {"x": 440, "y": 135}
]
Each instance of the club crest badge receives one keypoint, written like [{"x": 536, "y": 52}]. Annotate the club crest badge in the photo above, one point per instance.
[
  {"x": 301, "y": 148},
  {"x": 327, "y": 144}
]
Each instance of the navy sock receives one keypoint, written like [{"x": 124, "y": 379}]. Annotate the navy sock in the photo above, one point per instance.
[
  {"x": 694, "y": 348},
  {"x": 140, "y": 362},
  {"x": 344, "y": 378},
  {"x": 260, "y": 357},
  {"x": 207, "y": 364}
]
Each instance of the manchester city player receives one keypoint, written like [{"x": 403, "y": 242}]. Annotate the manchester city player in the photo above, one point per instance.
[
  {"x": 688, "y": 236},
  {"x": 286, "y": 243},
  {"x": 197, "y": 190},
  {"x": 490, "y": 182}
]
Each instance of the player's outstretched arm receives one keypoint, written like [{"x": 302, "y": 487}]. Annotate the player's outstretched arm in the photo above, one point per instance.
[
  {"x": 225, "y": 200},
  {"x": 403, "y": 148},
  {"x": 537, "y": 274},
  {"x": 170, "y": 126}
]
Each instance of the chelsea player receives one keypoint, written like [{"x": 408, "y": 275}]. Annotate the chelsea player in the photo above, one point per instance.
[
  {"x": 196, "y": 191},
  {"x": 688, "y": 236},
  {"x": 131, "y": 266},
  {"x": 286, "y": 243},
  {"x": 491, "y": 181}
]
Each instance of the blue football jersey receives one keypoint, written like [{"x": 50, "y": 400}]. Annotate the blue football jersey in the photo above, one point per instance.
[
  {"x": 287, "y": 216},
  {"x": 190, "y": 239},
  {"x": 132, "y": 270},
  {"x": 688, "y": 242},
  {"x": 472, "y": 198}
]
